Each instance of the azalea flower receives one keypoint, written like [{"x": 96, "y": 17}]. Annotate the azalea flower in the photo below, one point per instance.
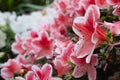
[
  {"x": 115, "y": 4},
  {"x": 45, "y": 44},
  {"x": 45, "y": 73},
  {"x": 17, "y": 46},
  {"x": 113, "y": 27},
  {"x": 89, "y": 32},
  {"x": 82, "y": 67},
  {"x": 61, "y": 61},
  {"x": 9, "y": 68}
]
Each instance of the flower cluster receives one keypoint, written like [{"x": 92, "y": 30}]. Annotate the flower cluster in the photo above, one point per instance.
[{"x": 68, "y": 42}]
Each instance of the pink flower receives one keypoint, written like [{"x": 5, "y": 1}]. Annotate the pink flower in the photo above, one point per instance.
[
  {"x": 90, "y": 33},
  {"x": 61, "y": 61},
  {"x": 45, "y": 44},
  {"x": 58, "y": 31},
  {"x": 9, "y": 68},
  {"x": 116, "y": 6},
  {"x": 17, "y": 46},
  {"x": 45, "y": 73},
  {"x": 113, "y": 27},
  {"x": 116, "y": 10},
  {"x": 82, "y": 67}
]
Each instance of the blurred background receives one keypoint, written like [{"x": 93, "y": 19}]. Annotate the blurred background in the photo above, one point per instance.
[
  {"x": 20, "y": 7},
  {"x": 23, "y": 6}
]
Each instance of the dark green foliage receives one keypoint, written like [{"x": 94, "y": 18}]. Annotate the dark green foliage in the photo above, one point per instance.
[{"x": 22, "y": 6}]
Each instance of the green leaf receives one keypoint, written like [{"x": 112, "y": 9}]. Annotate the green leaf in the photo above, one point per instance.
[{"x": 72, "y": 64}]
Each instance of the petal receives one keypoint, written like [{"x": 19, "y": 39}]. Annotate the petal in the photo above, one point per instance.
[
  {"x": 6, "y": 73},
  {"x": 88, "y": 58},
  {"x": 79, "y": 27},
  {"x": 91, "y": 73},
  {"x": 46, "y": 71},
  {"x": 92, "y": 15},
  {"x": 79, "y": 71},
  {"x": 30, "y": 75},
  {"x": 19, "y": 78},
  {"x": 17, "y": 48},
  {"x": 94, "y": 60},
  {"x": 94, "y": 38},
  {"x": 37, "y": 71},
  {"x": 113, "y": 2},
  {"x": 54, "y": 78},
  {"x": 116, "y": 11},
  {"x": 85, "y": 48},
  {"x": 61, "y": 67}
]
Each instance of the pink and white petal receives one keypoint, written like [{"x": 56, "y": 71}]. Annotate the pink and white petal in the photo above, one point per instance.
[
  {"x": 88, "y": 58},
  {"x": 45, "y": 53},
  {"x": 19, "y": 78},
  {"x": 86, "y": 49},
  {"x": 113, "y": 2},
  {"x": 94, "y": 38},
  {"x": 91, "y": 73},
  {"x": 30, "y": 75},
  {"x": 6, "y": 73},
  {"x": 17, "y": 48},
  {"x": 79, "y": 71},
  {"x": 46, "y": 71},
  {"x": 35, "y": 43},
  {"x": 79, "y": 26},
  {"x": 94, "y": 60},
  {"x": 54, "y": 78},
  {"x": 75, "y": 60},
  {"x": 67, "y": 52},
  {"x": 92, "y": 15},
  {"x": 116, "y": 10},
  {"x": 116, "y": 28},
  {"x": 61, "y": 67},
  {"x": 18, "y": 38},
  {"x": 37, "y": 71}
]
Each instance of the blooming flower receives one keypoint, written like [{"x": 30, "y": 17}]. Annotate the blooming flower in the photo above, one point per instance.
[
  {"x": 17, "y": 46},
  {"x": 82, "y": 67},
  {"x": 90, "y": 33},
  {"x": 45, "y": 73},
  {"x": 45, "y": 44},
  {"x": 9, "y": 68},
  {"x": 116, "y": 6},
  {"x": 61, "y": 61}
]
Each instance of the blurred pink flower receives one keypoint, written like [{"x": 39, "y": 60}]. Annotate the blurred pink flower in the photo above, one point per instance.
[
  {"x": 116, "y": 6},
  {"x": 9, "y": 68},
  {"x": 82, "y": 67},
  {"x": 61, "y": 61},
  {"x": 17, "y": 46},
  {"x": 45, "y": 73},
  {"x": 117, "y": 10},
  {"x": 45, "y": 44}
]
